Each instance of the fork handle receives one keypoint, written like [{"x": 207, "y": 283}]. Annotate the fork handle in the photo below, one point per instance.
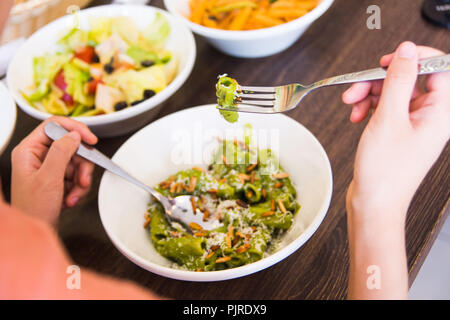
[
  {"x": 55, "y": 132},
  {"x": 426, "y": 66}
]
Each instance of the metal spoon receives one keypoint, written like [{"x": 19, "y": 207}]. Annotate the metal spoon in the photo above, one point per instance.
[{"x": 178, "y": 209}]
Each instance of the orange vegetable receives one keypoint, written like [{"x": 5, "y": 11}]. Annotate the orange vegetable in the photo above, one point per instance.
[{"x": 242, "y": 15}]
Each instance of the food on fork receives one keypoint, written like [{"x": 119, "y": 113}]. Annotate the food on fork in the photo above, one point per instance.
[
  {"x": 247, "y": 14},
  {"x": 244, "y": 188},
  {"x": 108, "y": 68},
  {"x": 226, "y": 91}
]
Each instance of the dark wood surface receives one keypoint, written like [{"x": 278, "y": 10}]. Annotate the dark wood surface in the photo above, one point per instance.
[{"x": 338, "y": 43}]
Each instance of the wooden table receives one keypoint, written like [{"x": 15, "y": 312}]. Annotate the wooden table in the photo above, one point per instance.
[{"x": 338, "y": 43}]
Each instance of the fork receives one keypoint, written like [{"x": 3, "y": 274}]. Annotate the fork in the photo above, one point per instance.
[
  {"x": 287, "y": 97},
  {"x": 178, "y": 209}
]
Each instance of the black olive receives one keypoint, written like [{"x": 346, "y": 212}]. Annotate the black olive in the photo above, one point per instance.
[
  {"x": 147, "y": 63},
  {"x": 109, "y": 67},
  {"x": 90, "y": 79},
  {"x": 149, "y": 93},
  {"x": 136, "y": 102},
  {"x": 95, "y": 58},
  {"x": 120, "y": 105}
]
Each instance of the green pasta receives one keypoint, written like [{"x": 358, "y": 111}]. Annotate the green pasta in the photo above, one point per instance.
[
  {"x": 226, "y": 92},
  {"x": 252, "y": 192},
  {"x": 247, "y": 190}
]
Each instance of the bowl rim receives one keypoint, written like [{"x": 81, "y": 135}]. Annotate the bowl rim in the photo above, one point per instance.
[
  {"x": 306, "y": 19},
  {"x": 142, "y": 107},
  {"x": 11, "y": 125},
  {"x": 210, "y": 276}
]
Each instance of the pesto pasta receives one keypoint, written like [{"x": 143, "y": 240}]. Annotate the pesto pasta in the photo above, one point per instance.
[
  {"x": 226, "y": 92},
  {"x": 246, "y": 189}
]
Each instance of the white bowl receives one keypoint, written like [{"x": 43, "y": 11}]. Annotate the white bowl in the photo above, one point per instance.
[
  {"x": 153, "y": 153},
  {"x": 180, "y": 41},
  {"x": 254, "y": 43},
  {"x": 8, "y": 115}
]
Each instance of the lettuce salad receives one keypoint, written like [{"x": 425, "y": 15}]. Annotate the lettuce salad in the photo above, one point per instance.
[{"x": 110, "y": 67}]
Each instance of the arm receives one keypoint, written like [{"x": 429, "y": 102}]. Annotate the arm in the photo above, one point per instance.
[
  {"x": 46, "y": 176},
  {"x": 404, "y": 137},
  {"x": 378, "y": 267},
  {"x": 5, "y": 6},
  {"x": 35, "y": 265}
]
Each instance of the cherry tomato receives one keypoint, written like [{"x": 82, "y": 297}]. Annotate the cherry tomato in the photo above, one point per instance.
[
  {"x": 92, "y": 85},
  {"x": 86, "y": 54}
]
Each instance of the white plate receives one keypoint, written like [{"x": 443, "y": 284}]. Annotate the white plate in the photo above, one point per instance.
[
  {"x": 153, "y": 153},
  {"x": 180, "y": 42},
  {"x": 8, "y": 115}
]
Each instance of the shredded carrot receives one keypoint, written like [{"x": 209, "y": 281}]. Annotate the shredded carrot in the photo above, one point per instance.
[
  {"x": 241, "y": 15},
  {"x": 240, "y": 19}
]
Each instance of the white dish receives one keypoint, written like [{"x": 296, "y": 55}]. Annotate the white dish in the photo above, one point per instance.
[
  {"x": 8, "y": 114},
  {"x": 153, "y": 153},
  {"x": 180, "y": 42},
  {"x": 253, "y": 43}
]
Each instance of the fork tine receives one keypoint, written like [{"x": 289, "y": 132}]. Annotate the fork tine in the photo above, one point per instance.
[
  {"x": 257, "y": 95},
  {"x": 258, "y": 102},
  {"x": 258, "y": 89},
  {"x": 251, "y": 109},
  {"x": 255, "y": 109}
]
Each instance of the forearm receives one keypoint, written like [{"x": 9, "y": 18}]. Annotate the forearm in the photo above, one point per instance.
[
  {"x": 34, "y": 265},
  {"x": 378, "y": 267},
  {"x": 5, "y": 6}
]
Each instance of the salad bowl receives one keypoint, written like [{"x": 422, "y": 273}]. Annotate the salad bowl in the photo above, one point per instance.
[
  {"x": 184, "y": 141},
  {"x": 179, "y": 42}
]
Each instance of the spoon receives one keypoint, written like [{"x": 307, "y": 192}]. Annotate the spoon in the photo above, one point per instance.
[{"x": 178, "y": 209}]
